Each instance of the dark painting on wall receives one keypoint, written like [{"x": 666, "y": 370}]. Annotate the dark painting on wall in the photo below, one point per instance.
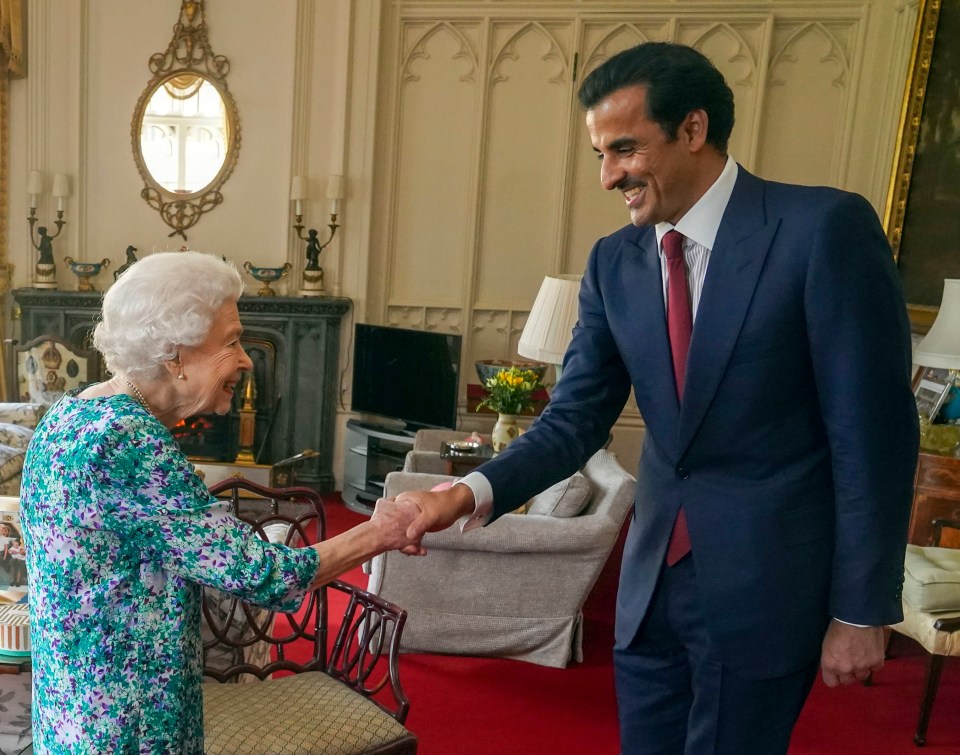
[{"x": 923, "y": 219}]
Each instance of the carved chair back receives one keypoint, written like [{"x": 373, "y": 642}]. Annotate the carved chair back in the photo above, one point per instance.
[
  {"x": 44, "y": 368},
  {"x": 364, "y": 653}
]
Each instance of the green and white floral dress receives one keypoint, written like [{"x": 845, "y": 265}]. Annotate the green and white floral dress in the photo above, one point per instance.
[{"x": 120, "y": 534}]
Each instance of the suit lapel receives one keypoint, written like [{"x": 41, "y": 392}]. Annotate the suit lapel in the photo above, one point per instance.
[
  {"x": 649, "y": 355},
  {"x": 736, "y": 260}
]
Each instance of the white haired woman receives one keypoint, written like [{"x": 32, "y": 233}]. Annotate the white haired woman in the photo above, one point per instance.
[{"x": 121, "y": 533}]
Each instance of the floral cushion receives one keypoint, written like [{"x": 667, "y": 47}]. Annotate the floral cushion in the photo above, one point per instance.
[
  {"x": 17, "y": 436},
  {"x": 24, "y": 414},
  {"x": 11, "y": 461}
]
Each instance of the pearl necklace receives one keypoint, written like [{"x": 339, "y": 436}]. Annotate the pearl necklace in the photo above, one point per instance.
[{"x": 138, "y": 396}]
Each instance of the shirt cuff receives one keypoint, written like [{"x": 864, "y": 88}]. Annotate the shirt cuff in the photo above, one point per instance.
[
  {"x": 483, "y": 501},
  {"x": 851, "y": 624}
]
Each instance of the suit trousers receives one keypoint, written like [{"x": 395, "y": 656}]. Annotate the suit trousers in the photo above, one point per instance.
[{"x": 675, "y": 696}]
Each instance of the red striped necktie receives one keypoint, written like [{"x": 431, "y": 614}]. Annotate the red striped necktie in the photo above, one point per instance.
[{"x": 679, "y": 328}]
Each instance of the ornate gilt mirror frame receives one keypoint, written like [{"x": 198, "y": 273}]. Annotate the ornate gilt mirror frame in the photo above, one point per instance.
[
  {"x": 189, "y": 52},
  {"x": 912, "y": 119}
]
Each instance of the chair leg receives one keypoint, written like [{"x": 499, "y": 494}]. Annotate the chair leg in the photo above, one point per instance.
[{"x": 933, "y": 682}]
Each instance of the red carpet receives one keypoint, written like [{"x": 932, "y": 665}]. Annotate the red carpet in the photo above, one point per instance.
[{"x": 491, "y": 706}]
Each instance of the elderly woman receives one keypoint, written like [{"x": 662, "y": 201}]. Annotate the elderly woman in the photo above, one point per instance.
[{"x": 121, "y": 533}]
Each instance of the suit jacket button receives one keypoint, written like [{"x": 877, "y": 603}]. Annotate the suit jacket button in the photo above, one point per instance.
[{"x": 683, "y": 473}]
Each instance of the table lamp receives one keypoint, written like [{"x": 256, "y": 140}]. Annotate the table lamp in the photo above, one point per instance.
[
  {"x": 940, "y": 348},
  {"x": 549, "y": 327}
]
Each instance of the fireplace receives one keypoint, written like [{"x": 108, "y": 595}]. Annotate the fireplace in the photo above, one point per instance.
[{"x": 294, "y": 344}]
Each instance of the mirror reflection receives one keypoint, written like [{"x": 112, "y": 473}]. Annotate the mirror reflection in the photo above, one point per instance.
[{"x": 185, "y": 133}]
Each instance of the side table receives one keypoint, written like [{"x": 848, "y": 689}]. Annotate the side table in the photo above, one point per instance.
[
  {"x": 10, "y": 664},
  {"x": 461, "y": 457},
  {"x": 936, "y": 494}
]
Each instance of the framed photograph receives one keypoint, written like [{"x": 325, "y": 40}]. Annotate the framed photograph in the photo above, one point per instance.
[
  {"x": 931, "y": 390},
  {"x": 922, "y": 215},
  {"x": 13, "y": 555}
]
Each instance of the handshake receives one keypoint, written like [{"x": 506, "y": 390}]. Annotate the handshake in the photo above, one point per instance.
[{"x": 401, "y": 522}]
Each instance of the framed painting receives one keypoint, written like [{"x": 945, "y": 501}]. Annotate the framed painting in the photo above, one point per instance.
[{"x": 922, "y": 216}]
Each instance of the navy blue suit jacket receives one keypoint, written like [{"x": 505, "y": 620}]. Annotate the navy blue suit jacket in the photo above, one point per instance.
[{"x": 794, "y": 449}]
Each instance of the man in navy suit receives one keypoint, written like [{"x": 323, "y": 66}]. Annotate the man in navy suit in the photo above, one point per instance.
[{"x": 775, "y": 483}]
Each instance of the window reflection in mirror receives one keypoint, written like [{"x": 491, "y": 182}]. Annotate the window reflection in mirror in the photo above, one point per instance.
[{"x": 184, "y": 134}]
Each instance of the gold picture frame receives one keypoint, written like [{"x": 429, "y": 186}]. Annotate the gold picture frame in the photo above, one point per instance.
[{"x": 923, "y": 193}]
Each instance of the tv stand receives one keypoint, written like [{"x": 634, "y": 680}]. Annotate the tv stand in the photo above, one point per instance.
[{"x": 371, "y": 453}]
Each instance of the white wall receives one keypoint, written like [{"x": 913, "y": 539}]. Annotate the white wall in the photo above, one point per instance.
[{"x": 72, "y": 114}]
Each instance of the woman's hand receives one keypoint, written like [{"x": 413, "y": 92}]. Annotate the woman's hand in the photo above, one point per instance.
[{"x": 394, "y": 519}]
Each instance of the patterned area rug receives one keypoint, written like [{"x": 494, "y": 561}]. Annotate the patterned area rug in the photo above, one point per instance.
[{"x": 15, "y": 735}]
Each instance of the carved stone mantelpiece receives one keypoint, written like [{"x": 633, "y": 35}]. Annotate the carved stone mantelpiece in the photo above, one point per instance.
[{"x": 296, "y": 404}]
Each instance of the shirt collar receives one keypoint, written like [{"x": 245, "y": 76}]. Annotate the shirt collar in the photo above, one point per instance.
[{"x": 702, "y": 221}]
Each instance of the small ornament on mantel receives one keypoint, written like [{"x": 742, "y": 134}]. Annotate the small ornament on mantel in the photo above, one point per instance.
[{"x": 131, "y": 258}]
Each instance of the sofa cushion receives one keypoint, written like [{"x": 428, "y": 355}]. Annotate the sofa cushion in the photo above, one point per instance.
[
  {"x": 931, "y": 580},
  {"x": 11, "y": 461},
  {"x": 15, "y": 435},
  {"x": 564, "y": 499}
]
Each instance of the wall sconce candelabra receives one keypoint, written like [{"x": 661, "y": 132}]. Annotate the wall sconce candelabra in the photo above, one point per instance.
[
  {"x": 46, "y": 267},
  {"x": 312, "y": 281}
]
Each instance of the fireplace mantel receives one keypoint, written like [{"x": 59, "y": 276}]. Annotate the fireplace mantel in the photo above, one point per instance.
[{"x": 300, "y": 410}]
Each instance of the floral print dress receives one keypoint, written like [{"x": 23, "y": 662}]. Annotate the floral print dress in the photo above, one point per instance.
[{"x": 120, "y": 535}]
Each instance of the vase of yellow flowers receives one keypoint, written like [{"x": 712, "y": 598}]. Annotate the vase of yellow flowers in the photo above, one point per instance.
[{"x": 509, "y": 393}]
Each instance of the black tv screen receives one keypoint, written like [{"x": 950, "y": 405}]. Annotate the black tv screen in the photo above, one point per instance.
[{"x": 407, "y": 375}]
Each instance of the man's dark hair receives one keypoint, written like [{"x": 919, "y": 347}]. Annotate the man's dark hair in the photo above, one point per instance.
[{"x": 677, "y": 78}]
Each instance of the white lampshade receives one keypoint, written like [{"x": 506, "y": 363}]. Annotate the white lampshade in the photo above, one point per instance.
[
  {"x": 61, "y": 185},
  {"x": 34, "y": 183},
  {"x": 549, "y": 327},
  {"x": 298, "y": 188},
  {"x": 940, "y": 348},
  {"x": 335, "y": 187}
]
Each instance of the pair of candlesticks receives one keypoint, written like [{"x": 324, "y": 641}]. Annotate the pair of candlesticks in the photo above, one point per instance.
[
  {"x": 46, "y": 269},
  {"x": 312, "y": 279}
]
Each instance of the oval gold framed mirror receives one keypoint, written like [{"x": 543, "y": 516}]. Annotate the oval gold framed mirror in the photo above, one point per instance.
[{"x": 185, "y": 131}]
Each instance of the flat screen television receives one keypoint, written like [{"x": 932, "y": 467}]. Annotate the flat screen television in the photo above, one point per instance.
[{"x": 410, "y": 376}]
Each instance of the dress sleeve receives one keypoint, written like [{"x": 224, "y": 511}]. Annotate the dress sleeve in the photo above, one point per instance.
[{"x": 149, "y": 494}]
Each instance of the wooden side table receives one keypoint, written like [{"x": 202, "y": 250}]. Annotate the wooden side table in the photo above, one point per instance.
[
  {"x": 10, "y": 664},
  {"x": 936, "y": 494}
]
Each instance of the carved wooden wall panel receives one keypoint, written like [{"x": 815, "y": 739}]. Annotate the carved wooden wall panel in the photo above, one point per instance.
[
  {"x": 434, "y": 191},
  {"x": 490, "y": 181},
  {"x": 527, "y": 109}
]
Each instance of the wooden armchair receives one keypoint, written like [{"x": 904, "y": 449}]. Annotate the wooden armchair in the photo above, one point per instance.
[
  {"x": 346, "y": 700},
  {"x": 931, "y": 611}
]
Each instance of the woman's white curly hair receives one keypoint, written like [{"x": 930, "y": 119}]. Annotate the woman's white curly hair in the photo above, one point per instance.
[{"x": 164, "y": 301}]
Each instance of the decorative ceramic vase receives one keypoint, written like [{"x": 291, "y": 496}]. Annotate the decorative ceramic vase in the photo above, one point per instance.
[
  {"x": 504, "y": 431},
  {"x": 266, "y": 275},
  {"x": 85, "y": 271}
]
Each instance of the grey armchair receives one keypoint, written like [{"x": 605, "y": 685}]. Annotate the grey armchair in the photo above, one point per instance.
[{"x": 514, "y": 589}]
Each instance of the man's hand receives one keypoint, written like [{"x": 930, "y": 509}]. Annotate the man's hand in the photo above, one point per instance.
[
  {"x": 436, "y": 511},
  {"x": 850, "y": 653}
]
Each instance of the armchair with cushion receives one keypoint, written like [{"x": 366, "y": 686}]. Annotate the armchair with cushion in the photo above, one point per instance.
[
  {"x": 514, "y": 589},
  {"x": 931, "y": 611}
]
